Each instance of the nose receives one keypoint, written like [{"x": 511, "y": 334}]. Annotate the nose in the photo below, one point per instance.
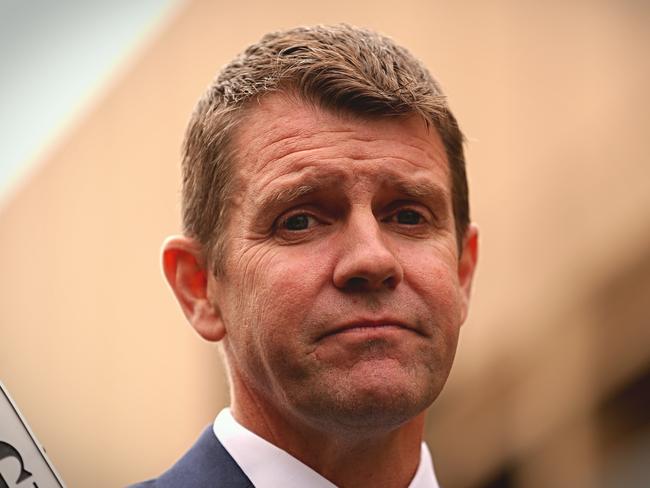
[{"x": 366, "y": 262}]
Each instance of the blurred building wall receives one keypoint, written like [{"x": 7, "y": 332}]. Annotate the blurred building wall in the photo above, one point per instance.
[
  {"x": 54, "y": 57},
  {"x": 553, "y": 99}
]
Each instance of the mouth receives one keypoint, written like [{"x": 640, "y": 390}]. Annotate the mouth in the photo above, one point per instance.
[{"x": 370, "y": 327}]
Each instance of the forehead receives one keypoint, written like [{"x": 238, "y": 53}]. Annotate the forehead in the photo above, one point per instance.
[{"x": 281, "y": 135}]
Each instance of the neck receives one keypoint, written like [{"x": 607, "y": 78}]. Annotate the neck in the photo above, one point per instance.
[{"x": 382, "y": 458}]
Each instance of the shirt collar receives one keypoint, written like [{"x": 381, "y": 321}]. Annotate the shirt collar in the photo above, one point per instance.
[{"x": 268, "y": 466}]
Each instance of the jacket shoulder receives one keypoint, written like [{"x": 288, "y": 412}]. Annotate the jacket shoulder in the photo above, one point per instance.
[
  {"x": 206, "y": 465},
  {"x": 144, "y": 484}
]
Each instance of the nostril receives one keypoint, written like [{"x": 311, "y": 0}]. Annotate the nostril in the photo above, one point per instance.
[
  {"x": 357, "y": 283},
  {"x": 390, "y": 282}
]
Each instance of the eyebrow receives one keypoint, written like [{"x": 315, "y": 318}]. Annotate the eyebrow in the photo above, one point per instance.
[
  {"x": 313, "y": 183},
  {"x": 423, "y": 189},
  {"x": 286, "y": 193}
]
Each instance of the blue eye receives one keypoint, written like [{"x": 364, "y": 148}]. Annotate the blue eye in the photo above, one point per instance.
[
  {"x": 296, "y": 222},
  {"x": 408, "y": 217}
]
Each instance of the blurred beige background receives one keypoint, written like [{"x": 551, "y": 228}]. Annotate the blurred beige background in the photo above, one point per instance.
[{"x": 551, "y": 385}]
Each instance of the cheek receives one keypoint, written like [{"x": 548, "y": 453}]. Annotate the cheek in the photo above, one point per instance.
[
  {"x": 433, "y": 276},
  {"x": 273, "y": 337},
  {"x": 275, "y": 291}
]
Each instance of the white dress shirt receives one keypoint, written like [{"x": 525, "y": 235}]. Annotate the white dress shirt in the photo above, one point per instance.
[{"x": 268, "y": 466}]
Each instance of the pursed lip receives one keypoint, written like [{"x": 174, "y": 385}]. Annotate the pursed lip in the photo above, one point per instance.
[{"x": 361, "y": 324}]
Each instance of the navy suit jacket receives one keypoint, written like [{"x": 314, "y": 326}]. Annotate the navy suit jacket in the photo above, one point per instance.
[{"x": 206, "y": 465}]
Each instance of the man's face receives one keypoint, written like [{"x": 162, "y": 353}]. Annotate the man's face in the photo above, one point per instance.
[{"x": 341, "y": 295}]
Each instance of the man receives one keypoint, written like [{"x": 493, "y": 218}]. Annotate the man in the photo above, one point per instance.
[{"x": 327, "y": 245}]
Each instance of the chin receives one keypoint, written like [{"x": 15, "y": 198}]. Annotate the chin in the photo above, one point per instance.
[{"x": 372, "y": 408}]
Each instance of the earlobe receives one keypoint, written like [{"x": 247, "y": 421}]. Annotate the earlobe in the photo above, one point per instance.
[
  {"x": 186, "y": 272},
  {"x": 467, "y": 265}
]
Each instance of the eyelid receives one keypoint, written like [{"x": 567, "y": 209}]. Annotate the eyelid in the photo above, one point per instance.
[
  {"x": 295, "y": 211},
  {"x": 418, "y": 208},
  {"x": 284, "y": 216}
]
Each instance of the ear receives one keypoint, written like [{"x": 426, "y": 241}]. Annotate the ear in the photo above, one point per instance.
[
  {"x": 184, "y": 266},
  {"x": 467, "y": 265}
]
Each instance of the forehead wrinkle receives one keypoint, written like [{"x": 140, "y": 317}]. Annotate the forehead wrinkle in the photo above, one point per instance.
[
  {"x": 279, "y": 144},
  {"x": 281, "y": 119},
  {"x": 301, "y": 134},
  {"x": 313, "y": 178},
  {"x": 355, "y": 147},
  {"x": 304, "y": 142},
  {"x": 354, "y": 156}
]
